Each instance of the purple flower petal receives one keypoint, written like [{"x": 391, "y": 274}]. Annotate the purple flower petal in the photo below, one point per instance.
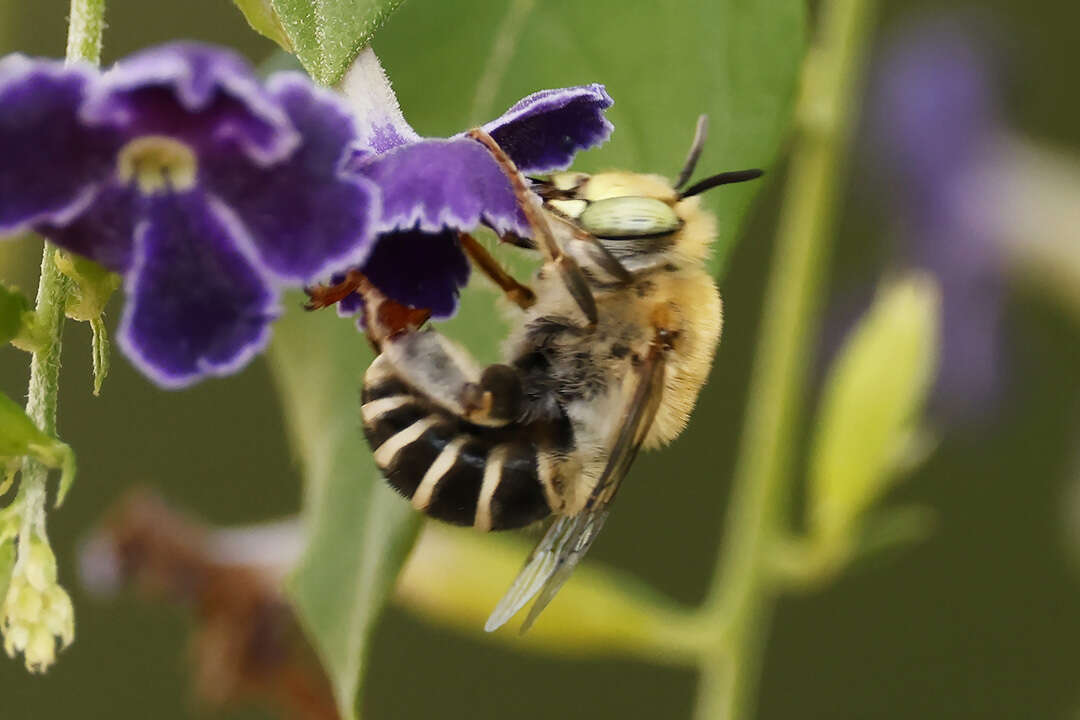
[
  {"x": 543, "y": 132},
  {"x": 50, "y": 164},
  {"x": 307, "y": 216},
  {"x": 375, "y": 107},
  {"x": 419, "y": 269},
  {"x": 103, "y": 232},
  {"x": 196, "y": 305},
  {"x": 432, "y": 185},
  {"x": 206, "y": 97},
  {"x": 934, "y": 110}
]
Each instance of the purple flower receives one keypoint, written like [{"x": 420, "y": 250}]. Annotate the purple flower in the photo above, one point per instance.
[
  {"x": 432, "y": 188},
  {"x": 934, "y": 125},
  {"x": 208, "y": 191}
]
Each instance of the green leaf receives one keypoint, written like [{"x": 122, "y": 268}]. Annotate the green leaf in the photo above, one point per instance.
[
  {"x": 459, "y": 64},
  {"x": 19, "y": 437},
  {"x": 13, "y": 307},
  {"x": 663, "y": 63},
  {"x": 264, "y": 20},
  {"x": 17, "y": 431},
  {"x": 326, "y": 35},
  {"x": 359, "y": 531},
  {"x": 870, "y": 406}
]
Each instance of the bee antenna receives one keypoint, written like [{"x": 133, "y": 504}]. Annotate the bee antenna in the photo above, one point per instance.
[
  {"x": 724, "y": 178},
  {"x": 698, "y": 144}
]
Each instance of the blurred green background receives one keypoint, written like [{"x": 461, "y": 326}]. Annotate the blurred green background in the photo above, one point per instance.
[{"x": 982, "y": 620}]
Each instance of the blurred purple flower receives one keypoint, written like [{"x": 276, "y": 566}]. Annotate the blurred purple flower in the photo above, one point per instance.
[
  {"x": 207, "y": 190},
  {"x": 432, "y": 188},
  {"x": 933, "y": 124}
]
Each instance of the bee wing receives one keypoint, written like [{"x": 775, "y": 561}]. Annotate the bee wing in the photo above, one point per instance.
[
  {"x": 548, "y": 567},
  {"x": 567, "y": 540}
]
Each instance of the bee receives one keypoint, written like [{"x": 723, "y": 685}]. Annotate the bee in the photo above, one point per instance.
[{"x": 615, "y": 339}]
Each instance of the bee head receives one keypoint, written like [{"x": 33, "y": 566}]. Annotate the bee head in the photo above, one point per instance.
[{"x": 635, "y": 214}]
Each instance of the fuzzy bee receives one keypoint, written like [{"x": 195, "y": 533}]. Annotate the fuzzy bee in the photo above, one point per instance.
[{"x": 614, "y": 342}]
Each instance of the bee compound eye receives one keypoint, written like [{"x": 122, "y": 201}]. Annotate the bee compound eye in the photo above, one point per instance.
[{"x": 629, "y": 217}]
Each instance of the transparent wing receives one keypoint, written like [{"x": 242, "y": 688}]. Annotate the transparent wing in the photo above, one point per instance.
[
  {"x": 568, "y": 538},
  {"x": 548, "y": 566}
]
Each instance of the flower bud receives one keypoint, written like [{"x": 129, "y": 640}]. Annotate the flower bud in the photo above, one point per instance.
[
  {"x": 36, "y": 611},
  {"x": 870, "y": 405}
]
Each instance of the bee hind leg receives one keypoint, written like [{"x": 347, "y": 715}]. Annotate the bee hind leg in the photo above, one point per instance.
[
  {"x": 446, "y": 375},
  {"x": 564, "y": 264}
]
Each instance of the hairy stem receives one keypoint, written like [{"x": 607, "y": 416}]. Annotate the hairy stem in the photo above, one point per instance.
[
  {"x": 84, "y": 44},
  {"x": 43, "y": 388},
  {"x": 85, "y": 25},
  {"x": 743, "y": 594}
]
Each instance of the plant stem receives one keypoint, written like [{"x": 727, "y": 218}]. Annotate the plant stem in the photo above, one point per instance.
[
  {"x": 85, "y": 26},
  {"x": 743, "y": 594},
  {"x": 43, "y": 387},
  {"x": 84, "y": 43}
]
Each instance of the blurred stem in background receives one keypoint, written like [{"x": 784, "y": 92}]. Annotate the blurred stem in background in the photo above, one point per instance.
[{"x": 743, "y": 591}]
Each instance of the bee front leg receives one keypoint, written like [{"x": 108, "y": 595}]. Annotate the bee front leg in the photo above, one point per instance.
[
  {"x": 520, "y": 295},
  {"x": 564, "y": 264},
  {"x": 591, "y": 253}
]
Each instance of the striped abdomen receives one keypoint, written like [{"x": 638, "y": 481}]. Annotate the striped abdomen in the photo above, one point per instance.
[{"x": 450, "y": 469}]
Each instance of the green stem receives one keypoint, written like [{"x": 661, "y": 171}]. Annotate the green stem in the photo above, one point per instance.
[
  {"x": 85, "y": 26},
  {"x": 743, "y": 594},
  {"x": 84, "y": 43},
  {"x": 43, "y": 388}
]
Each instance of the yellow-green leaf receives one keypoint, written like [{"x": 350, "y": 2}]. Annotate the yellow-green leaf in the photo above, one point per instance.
[
  {"x": 19, "y": 437},
  {"x": 456, "y": 576},
  {"x": 263, "y": 19},
  {"x": 13, "y": 308},
  {"x": 871, "y": 404}
]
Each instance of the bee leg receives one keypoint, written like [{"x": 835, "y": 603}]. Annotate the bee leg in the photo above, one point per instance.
[
  {"x": 497, "y": 399},
  {"x": 520, "y": 295},
  {"x": 446, "y": 375},
  {"x": 320, "y": 296},
  {"x": 667, "y": 323},
  {"x": 565, "y": 265},
  {"x": 586, "y": 247},
  {"x": 382, "y": 317}
]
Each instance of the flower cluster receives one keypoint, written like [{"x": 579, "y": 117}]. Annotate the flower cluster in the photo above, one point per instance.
[
  {"x": 211, "y": 191},
  {"x": 35, "y": 612}
]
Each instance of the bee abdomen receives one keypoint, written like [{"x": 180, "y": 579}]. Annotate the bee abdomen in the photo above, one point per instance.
[{"x": 450, "y": 470}]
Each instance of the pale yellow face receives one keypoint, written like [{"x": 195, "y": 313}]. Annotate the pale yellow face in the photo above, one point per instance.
[{"x": 626, "y": 184}]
